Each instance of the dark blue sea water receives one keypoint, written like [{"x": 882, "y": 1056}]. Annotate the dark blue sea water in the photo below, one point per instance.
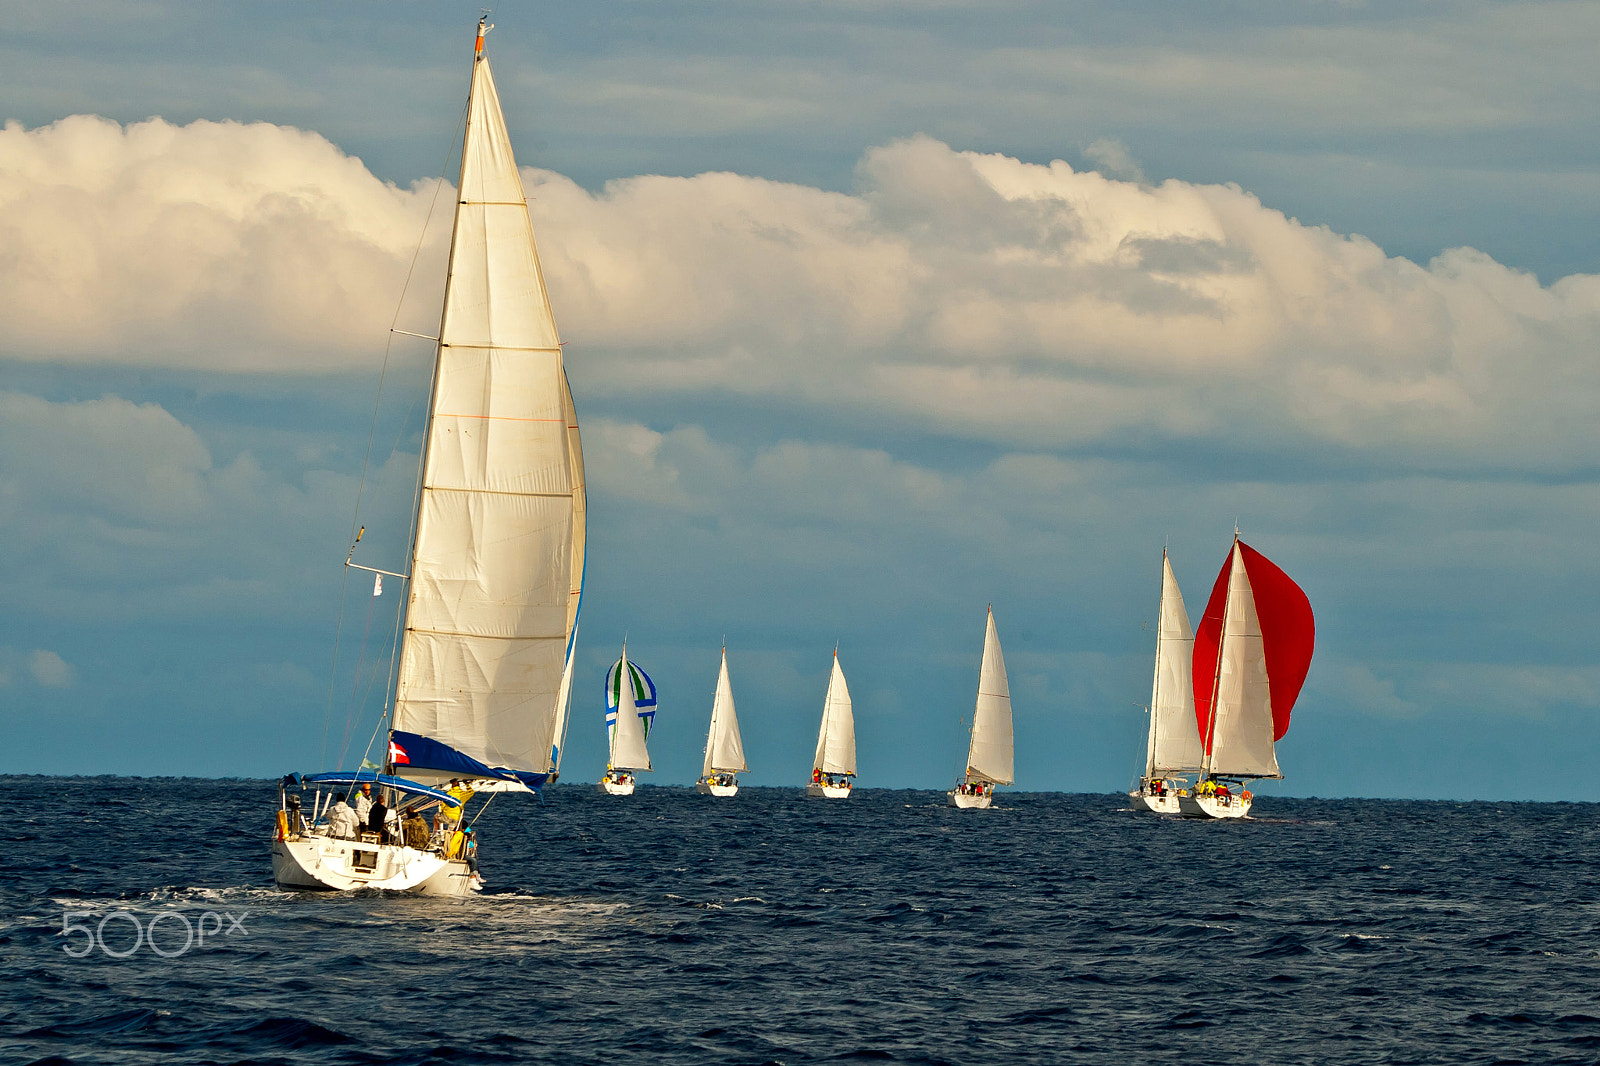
[{"x": 673, "y": 928}]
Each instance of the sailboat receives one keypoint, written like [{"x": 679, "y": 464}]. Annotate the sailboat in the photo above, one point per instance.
[
  {"x": 496, "y": 558},
  {"x": 1173, "y": 746},
  {"x": 990, "y": 749},
  {"x": 1251, "y": 654},
  {"x": 630, "y": 710},
  {"x": 724, "y": 751},
  {"x": 834, "y": 768}
]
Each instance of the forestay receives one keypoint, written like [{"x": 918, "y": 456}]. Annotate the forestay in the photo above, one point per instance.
[
  {"x": 1174, "y": 737},
  {"x": 836, "y": 740},
  {"x": 989, "y": 756},
  {"x": 497, "y": 565},
  {"x": 724, "y": 750}
]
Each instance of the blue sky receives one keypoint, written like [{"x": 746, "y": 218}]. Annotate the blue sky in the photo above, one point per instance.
[{"x": 876, "y": 313}]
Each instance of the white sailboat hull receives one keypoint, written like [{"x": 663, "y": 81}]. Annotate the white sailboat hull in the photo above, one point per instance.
[
  {"x": 1192, "y": 806},
  {"x": 706, "y": 788},
  {"x": 966, "y": 802},
  {"x": 616, "y": 788},
  {"x": 331, "y": 864},
  {"x": 1167, "y": 804},
  {"x": 833, "y": 792}
]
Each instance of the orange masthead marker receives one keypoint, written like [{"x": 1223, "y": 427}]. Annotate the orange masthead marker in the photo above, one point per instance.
[{"x": 484, "y": 26}]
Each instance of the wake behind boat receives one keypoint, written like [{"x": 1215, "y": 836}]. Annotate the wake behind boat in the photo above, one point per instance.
[
  {"x": 833, "y": 770},
  {"x": 496, "y": 560},
  {"x": 989, "y": 751},
  {"x": 1251, "y": 654},
  {"x": 1173, "y": 746},
  {"x": 724, "y": 759}
]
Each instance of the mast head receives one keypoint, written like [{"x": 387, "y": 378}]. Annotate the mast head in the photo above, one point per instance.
[{"x": 484, "y": 26}]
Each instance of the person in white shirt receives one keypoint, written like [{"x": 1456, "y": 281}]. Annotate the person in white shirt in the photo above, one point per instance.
[
  {"x": 342, "y": 821},
  {"x": 363, "y": 804}
]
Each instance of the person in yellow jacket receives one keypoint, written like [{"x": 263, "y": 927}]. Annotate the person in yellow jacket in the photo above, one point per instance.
[{"x": 450, "y": 816}]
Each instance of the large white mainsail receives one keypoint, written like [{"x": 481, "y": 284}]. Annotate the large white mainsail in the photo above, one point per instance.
[
  {"x": 989, "y": 755},
  {"x": 497, "y": 565},
  {"x": 628, "y": 750},
  {"x": 836, "y": 739},
  {"x": 1241, "y": 719},
  {"x": 1174, "y": 742},
  {"x": 724, "y": 750}
]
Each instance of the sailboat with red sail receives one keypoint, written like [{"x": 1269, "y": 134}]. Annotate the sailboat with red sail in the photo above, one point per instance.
[{"x": 1251, "y": 653}]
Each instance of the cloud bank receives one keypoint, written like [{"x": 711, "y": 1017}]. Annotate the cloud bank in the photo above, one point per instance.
[{"x": 971, "y": 295}]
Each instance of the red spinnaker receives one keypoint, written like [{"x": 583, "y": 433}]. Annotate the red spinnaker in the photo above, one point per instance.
[{"x": 1288, "y": 634}]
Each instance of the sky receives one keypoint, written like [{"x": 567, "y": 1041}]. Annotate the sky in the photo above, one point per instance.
[{"x": 876, "y": 313}]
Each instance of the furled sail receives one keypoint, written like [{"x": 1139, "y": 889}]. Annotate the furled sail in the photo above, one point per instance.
[
  {"x": 836, "y": 740},
  {"x": 497, "y": 565},
  {"x": 1174, "y": 738},
  {"x": 724, "y": 750},
  {"x": 626, "y": 724},
  {"x": 1251, "y": 654},
  {"x": 989, "y": 756}
]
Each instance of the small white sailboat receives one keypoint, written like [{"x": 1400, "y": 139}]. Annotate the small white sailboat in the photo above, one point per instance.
[
  {"x": 724, "y": 751},
  {"x": 833, "y": 770},
  {"x": 496, "y": 560},
  {"x": 631, "y": 707},
  {"x": 1251, "y": 654},
  {"x": 1173, "y": 746},
  {"x": 989, "y": 752}
]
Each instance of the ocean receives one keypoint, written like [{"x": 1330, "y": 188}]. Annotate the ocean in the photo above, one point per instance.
[{"x": 674, "y": 928}]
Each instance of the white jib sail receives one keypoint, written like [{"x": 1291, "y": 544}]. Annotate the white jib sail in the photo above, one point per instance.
[
  {"x": 724, "y": 750},
  {"x": 1174, "y": 735},
  {"x": 989, "y": 756},
  {"x": 499, "y": 536},
  {"x": 627, "y": 733},
  {"x": 1241, "y": 740},
  {"x": 836, "y": 740}
]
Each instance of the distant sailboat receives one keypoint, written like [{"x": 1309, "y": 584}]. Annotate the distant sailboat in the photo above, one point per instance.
[
  {"x": 630, "y": 708},
  {"x": 496, "y": 560},
  {"x": 834, "y": 768},
  {"x": 1173, "y": 747},
  {"x": 989, "y": 752},
  {"x": 1251, "y": 654},
  {"x": 724, "y": 751}
]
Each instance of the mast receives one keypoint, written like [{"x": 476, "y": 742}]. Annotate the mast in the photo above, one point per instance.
[
  {"x": 438, "y": 363},
  {"x": 1216, "y": 681},
  {"x": 1155, "y": 683}
]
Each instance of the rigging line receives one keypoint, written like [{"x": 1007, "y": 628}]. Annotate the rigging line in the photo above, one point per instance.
[
  {"x": 358, "y": 702},
  {"x": 333, "y": 667},
  {"x": 490, "y": 800},
  {"x": 333, "y": 671},
  {"x": 355, "y": 684}
]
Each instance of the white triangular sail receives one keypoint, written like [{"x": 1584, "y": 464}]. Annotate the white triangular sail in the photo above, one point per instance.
[
  {"x": 836, "y": 740},
  {"x": 1241, "y": 738},
  {"x": 989, "y": 755},
  {"x": 724, "y": 750},
  {"x": 498, "y": 558},
  {"x": 627, "y": 731},
  {"x": 1174, "y": 743}
]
